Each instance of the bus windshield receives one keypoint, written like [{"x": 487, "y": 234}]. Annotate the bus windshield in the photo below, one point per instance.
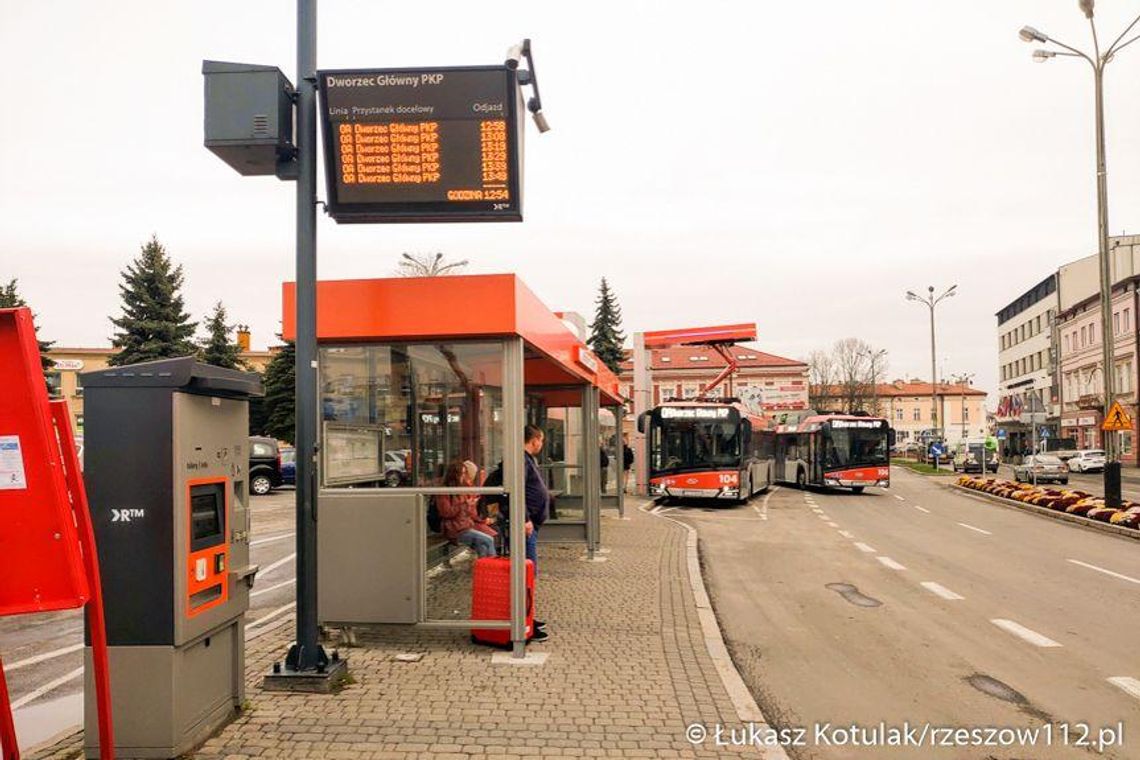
[
  {"x": 696, "y": 444},
  {"x": 853, "y": 447}
]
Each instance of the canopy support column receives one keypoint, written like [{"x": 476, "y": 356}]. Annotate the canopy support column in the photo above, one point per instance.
[
  {"x": 514, "y": 480},
  {"x": 592, "y": 468}
]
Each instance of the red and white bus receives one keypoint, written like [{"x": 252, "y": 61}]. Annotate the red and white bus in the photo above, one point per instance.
[
  {"x": 821, "y": 449},
  {"x": 707, "y": 448}
]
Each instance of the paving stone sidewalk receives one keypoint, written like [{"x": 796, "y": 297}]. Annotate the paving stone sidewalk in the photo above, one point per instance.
[{"x": 627, "y": 671}]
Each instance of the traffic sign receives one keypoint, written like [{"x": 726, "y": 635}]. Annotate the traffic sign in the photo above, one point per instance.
[{"x": 1117, "y": 418}]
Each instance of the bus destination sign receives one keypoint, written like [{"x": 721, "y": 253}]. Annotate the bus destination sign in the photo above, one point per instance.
[{"x": 422, "y": 145}]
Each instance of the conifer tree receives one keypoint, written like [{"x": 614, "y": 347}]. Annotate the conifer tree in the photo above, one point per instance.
[
  {"x": 153, "y": 324},
  {"x": 279, "y": 405},
  {"x": 217, "y": 348},
  {"x": 606, "y": 338},
  {"x": 10, "y": 298}
]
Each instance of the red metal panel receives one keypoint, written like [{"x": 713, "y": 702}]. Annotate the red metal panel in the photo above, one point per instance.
[
  {"x": 701, "y": 336},
  {"x": 41, "y": 564}
]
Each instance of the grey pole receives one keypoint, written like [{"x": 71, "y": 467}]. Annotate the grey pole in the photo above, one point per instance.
[
  {"x": 306, "y": 653},
  {"x": 934, "y": 419},
  {"x": 1112, "y": 494},
  {"x": 514, "y": 480}
]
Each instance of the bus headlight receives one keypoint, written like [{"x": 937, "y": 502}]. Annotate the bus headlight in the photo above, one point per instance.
[{"x": 830, "y": 482}]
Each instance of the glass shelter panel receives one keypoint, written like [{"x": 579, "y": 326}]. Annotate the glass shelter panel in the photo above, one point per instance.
[{"x": 396, "y": 415}]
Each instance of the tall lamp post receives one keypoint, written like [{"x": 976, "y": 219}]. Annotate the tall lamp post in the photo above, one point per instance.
[
  {"x": 1098, "y": 61},
  {"x": 930, "y": 301},
  {"x": 874, "y": 356}
]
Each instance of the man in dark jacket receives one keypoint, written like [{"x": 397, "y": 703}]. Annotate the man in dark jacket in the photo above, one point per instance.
[{"x": 537, "y": 494}]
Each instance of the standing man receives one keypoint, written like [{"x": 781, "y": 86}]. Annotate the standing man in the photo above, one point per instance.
[
  {"x": 626, "y": 461},
  {"x": 537, "y": 505}
]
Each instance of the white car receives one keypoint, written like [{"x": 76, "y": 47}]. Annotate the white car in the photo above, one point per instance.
[{"x": 1088, "y": 460}]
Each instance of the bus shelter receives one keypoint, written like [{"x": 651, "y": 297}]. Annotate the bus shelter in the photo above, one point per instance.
[{"x": 416, "y": 376}]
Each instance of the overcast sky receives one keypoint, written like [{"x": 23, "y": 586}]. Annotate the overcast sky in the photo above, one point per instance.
[{"x": 799, "y": 164}]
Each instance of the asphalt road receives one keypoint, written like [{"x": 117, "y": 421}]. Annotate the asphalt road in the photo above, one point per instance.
[
  {"x": 43, "y": 654},
  {"x": 921, "y": 604}
]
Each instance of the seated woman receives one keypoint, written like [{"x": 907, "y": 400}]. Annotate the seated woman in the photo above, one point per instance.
[{"x": 459, "y": 515}]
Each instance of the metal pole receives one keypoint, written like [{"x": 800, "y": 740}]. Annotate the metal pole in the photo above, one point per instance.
[
  {"x": 1112, "y": 495},
  {"x": 933, "y": 371},
  {"x": 514, "y": 480},
  {"x": 306, "y": 651}
]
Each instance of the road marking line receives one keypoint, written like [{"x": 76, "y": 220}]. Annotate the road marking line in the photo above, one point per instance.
[
  {"x": 900, "y": 498},
  {"x": 276, "y": 613},
  {"x": 890, "y": 563},
  {"x": 846, "y": 534},
  {"x": 261, "y": 541},
  {"x": 1020, "y": 631},
  {"x": 283, "y": 561},
  {"x": 1106, "y": 572},
  {"x": 979, "y": 530},
  {"x": 49, "y": 686},
  {"x": 267, "y": 589},
  {"x": 864, "y": 548},
  {"x": 832, "y": 524},
  {"x": 941, "y": 591},
  {"x": 921, "y": 509},
  {"x": 1129, "y": 685},
  {"x": 43, "y": 657}
]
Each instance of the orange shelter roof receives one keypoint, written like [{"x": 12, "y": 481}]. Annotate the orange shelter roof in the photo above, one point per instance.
[{"x": 462, "y": 307}]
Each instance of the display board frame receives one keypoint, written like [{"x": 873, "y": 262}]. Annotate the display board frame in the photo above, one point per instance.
[{"x": 420, "y": 211}]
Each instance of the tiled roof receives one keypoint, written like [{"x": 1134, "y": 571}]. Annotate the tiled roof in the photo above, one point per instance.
[{"x": 692, "y": 357}]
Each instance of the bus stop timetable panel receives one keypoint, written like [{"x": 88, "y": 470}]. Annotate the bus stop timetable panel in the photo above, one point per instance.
[{"x": 422, "y": 145}]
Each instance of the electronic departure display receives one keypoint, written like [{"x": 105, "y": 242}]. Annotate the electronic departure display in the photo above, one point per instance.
[{"x": 422, "y": 145}]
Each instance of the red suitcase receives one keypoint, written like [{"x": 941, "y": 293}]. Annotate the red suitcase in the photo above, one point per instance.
[{"x": 491, "y": 599}]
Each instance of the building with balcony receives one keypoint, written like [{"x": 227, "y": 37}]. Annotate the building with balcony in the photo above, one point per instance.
[{"x": 1080, "y": 336}]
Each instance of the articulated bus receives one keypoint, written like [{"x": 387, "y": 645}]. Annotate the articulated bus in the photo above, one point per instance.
[
  {"x": 822, "y": 449},
  {"x": 707, "y": 448}
]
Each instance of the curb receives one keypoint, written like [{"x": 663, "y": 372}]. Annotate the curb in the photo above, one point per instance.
[
  {"x": 747, "y": 711},
  {"x": 1019, "y": 506}
]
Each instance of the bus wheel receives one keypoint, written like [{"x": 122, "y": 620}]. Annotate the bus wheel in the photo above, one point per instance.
[
  {"x": 856, "y": 489},
  {"x": 801, "y": 480}
]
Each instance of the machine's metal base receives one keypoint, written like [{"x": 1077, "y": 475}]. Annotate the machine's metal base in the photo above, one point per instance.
[{"x": 331, "y": 678}]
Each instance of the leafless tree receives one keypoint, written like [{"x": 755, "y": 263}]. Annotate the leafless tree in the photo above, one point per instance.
[
  {"x": 844, "y": 378},
  {"x": 821, "y": 379},
  {"x": 417, "y": 265}
]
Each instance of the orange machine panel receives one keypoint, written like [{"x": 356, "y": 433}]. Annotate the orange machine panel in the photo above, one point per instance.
[
  {"x": 208, "y": 548},
  {"x": 41, "y": 562}
]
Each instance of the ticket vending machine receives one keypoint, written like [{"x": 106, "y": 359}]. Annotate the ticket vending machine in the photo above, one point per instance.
[{"x": 166, "y": 459}]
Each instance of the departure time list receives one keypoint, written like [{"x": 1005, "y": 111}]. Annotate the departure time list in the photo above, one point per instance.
[{"x": 421, "y": 145}]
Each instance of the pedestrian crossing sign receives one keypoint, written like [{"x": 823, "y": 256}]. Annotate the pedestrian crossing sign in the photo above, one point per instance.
[{"x": 1117, "y": 418}]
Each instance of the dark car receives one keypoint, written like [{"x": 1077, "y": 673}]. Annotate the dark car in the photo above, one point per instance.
[
  {"x": 264, "y": 465},
  {"x": 288, "y": 467}
]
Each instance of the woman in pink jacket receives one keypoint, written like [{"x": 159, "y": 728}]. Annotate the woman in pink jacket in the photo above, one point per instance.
[{"x": 459, "y": 515}]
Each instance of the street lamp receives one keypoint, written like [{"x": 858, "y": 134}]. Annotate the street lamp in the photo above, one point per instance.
[
  {"x": 931, "y": 302},
  {"x": 1097, "y": 61},
  {"x": 874, "y": 356}
]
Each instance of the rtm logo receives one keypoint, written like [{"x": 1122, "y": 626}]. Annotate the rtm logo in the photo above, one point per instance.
[{"x": 126, "y": 515}]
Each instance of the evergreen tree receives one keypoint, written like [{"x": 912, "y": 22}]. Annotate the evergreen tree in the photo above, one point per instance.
[
  {"x": 606, "y": 338},
  {"x": 10, "y": 298},
  {"x": 153, "y": 325},
  {"x": 217, "y": 349},
  {"x": 279, "y": 405}
]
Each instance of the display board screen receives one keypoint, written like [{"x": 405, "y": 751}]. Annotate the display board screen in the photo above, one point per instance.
[
  {"x": 422, "y": 145},
  {"x": 207, "y": 509}
]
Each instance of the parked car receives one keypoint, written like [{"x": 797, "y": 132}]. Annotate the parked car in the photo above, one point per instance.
[
  {"x": 1043, "y": 468},
  {"x": 264, "y": 465},
  {"x": 396, "y": 468},
  {"x": 288, "y": 467},
  {"x": 1088, "y": 460},
  {"x": 969, "y": 459}
]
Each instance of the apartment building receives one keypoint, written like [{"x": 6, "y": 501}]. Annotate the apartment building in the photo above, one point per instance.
[{"x": 1027, "y": 363}]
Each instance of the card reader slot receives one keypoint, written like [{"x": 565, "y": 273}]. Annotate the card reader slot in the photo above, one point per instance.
[{"x": 205, "y": 596}]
